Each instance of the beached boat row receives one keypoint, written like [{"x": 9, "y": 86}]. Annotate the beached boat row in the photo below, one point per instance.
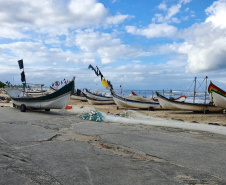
[
  {"x": 217, "y": 103},
  {"x": 59, "y": 98}
]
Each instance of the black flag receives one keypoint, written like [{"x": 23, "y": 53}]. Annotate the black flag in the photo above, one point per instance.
[
  {"x": 21, "y": 64},
  {"x": 22, "y": 77}
]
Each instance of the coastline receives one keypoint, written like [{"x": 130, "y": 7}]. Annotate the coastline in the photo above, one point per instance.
[{"x": 183, "y": 116}]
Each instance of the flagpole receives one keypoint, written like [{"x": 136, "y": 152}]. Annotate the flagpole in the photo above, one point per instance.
[{"x": 25, "y": 78}]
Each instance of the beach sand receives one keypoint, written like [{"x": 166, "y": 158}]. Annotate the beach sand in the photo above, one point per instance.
[{"x": 188, "y": 116}]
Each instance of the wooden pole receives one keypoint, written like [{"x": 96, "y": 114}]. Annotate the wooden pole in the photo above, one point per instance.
[
  {"x": 194, "y": 91},
  {"x": 205, "y": 90}
]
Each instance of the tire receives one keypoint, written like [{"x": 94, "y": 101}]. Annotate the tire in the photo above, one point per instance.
[
  {"x": 23, "y": 108},
  {"x": 151, "y": 109}
]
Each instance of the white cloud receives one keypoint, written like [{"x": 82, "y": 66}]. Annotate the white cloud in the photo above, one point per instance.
[
  {"x": 105, "y": 46},
  {"x": 53, "y": 17},
  {"x": 162, "y": 6},
  {"x": 153, "y": 30},
  {"x": 204, "y": 46},
  {"x": 169, "y": 14},
  {"x": 116, "y": 19},
  {"x": 184, "y": 1},
  {"x": 88, "y": 11},
  {"x": 217, "y": 13}
]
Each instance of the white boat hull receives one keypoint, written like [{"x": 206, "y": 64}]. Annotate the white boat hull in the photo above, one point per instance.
[
  {"x": 58, "y": 103},
  {"x": 97, "y": 96},
  {"x": 56, "y": 100},
  {"x": 140, "y": 98},
  {"x": 218, "y": 100},
  {"x": 75, "y": 97},
  {"x": 167, "y": 104},
  {"x": 100, "y": 102},
  {"x": 196, "y": 107},
  {"x": 123, "y": 102}
]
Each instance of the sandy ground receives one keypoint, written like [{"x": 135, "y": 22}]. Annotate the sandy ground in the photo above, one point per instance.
[
  {"x": 212, "y": 118},
  {"x": 188, "y": 116}
]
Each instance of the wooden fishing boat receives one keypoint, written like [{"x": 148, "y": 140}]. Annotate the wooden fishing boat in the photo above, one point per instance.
[
  {"x": 93, "y": 101},
  {"x": 52, "y": 88},
  {"x": 128, "y": 103},
  {"x": 166, "y": 103},
  {"x": 97, "y": 96},
  {"x": 36, "y": 93},
  {"x": 56, "y": 100},
  {"x": 134, "y": 96},
  {"x": 217, "y": 95},
  {"x": 77, "y": 97}
]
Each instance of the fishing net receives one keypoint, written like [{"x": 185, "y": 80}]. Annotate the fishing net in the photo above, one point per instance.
[{"x": 93, "y": 116}]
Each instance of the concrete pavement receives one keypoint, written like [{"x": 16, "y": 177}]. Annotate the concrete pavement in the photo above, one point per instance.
[{"x": 58, "y": 147}]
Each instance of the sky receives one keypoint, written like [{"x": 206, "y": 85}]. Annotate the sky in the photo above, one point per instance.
[{"x": 141, "y": 45}]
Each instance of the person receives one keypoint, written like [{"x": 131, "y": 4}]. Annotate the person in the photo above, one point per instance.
[{"x": 121, "y": 90}]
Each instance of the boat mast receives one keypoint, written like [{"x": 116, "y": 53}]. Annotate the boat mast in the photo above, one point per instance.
[
  {"x": 205, "y": 90},
  {"x": 194, "y": 90}
]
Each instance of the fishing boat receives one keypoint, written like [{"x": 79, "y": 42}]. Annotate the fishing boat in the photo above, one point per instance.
[
  {"x": 56, "y": 100},
  {"x": 134, "y": 96},
  {"x": 52, "y": 88},
  {"x": 217, "y": 95},
  {"x": 93, "y": 101},
  {"x": 129, "y": 103},
  {"x": 167, "y": 103},
  {"x": 97, "y": 96},
  {"x": 78, "y": 95}
]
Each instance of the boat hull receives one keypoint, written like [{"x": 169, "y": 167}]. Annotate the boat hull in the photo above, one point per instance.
[
  {"x": 97, "y": 96},
  {"x": 56, "y": 100},
  {"x": 196, "y": 107},
  {"x": 56, "y": 103},
  {"x": 128, "y": 103},
  {"x": 100, "y": 102},
  {"x": 75, "y": 97},
  {"x": 218, "y": 99},
  {"x": 217, "y": 95}
]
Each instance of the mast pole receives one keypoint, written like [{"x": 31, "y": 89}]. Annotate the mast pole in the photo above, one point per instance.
[
  {"x": 25, "y": 82},
  {"x": 194, "y": 90},
  {"x": 205, "y": 90}
]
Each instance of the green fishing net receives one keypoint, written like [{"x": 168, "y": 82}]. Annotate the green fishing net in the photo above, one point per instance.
[{"x": 93, "y": 116}]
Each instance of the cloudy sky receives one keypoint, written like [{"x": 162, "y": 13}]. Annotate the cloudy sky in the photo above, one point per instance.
[{"x": 148, "y": 44}]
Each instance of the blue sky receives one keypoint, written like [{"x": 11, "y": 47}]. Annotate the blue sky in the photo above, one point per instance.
[{"x": 141, "y": 45}]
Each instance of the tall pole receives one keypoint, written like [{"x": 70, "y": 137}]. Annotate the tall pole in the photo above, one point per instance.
[
  {"x": 25, "y": 81},
  {"x": 194, "y": 90},
  {"x": 205, "y": 90}
]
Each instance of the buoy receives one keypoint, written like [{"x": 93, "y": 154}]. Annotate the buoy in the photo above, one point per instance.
[{"x": 68, "y": 107}]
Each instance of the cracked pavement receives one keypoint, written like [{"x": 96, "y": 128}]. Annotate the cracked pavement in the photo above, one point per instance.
[{"x": 58, "y": 147}]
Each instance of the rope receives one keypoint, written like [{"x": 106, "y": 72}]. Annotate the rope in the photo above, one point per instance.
[
  {"x": 190, "y": 87},
  {"x": 200, "y": 85}
]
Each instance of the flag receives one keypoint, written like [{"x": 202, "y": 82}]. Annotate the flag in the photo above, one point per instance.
[
  {"x": 22, "y": 77},
  {"x": 104, "y": 83},
  {"x": 21, "y": 65}
]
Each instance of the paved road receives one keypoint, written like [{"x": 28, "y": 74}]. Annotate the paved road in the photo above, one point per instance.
[{"x": 58, "y": 147}]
